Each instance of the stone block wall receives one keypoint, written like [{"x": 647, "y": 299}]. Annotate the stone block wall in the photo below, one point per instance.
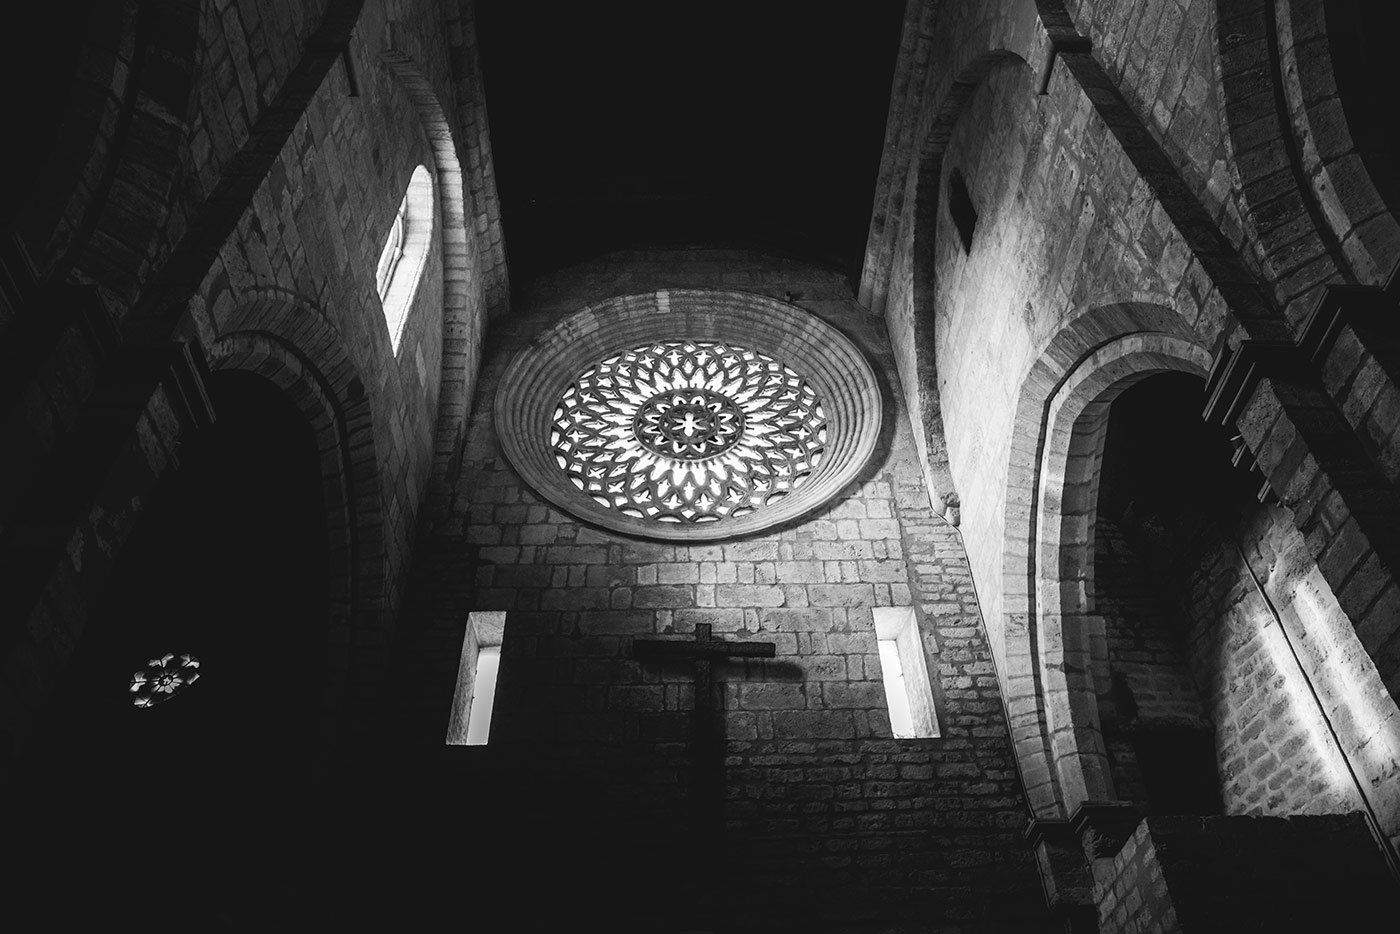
[
  {"x": 820, "y": 797},
  {"x": 1163, "y": 56},
  {"x": 1063, "y": 231},
  {"x": 313, "y": 235}
]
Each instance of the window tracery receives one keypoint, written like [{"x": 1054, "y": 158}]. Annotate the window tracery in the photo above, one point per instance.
[
  {"x": 688, "y": 414},
  {"x": 688, "y": 431}
]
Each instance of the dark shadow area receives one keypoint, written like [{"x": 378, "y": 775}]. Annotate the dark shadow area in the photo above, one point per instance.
[
  {"x": 194, "y": 807},
  {"x": 45, "y": 68},
  {"x": 1359, "y": 34},
  {"x": 628, "y": 124},
  {"x": 1167, "y": 480}
]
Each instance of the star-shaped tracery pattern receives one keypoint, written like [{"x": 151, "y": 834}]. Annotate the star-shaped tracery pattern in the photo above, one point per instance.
[{"x": 688, "y": 431}]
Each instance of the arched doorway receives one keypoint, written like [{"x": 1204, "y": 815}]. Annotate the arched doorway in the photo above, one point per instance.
[
  {"x": 1167, "y": 496},
  {"x": 193, "y": 804}
]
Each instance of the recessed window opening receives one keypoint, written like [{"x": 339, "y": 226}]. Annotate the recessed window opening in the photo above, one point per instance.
[
  {"x": 475, "y": 697},
  {"x": 488, "y": 663},
  {"x": 960, "y": 208},
  {"x": 907, "y": 687},
  {"x": 405, "y": 253}
]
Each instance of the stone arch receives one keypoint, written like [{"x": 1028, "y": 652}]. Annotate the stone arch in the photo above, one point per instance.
[
  {"x": 919, "y": 361},
  {"x": 462, "y": 311},
  {"x": 1321, "y": 208},
  {"x": 1025, "y": 647},
  {"x": 1066, "y": 509},
  {"x": 315, "y": 373}
]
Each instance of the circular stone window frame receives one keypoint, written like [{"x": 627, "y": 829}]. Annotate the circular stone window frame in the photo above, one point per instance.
[{"x": 530, "y": 389}]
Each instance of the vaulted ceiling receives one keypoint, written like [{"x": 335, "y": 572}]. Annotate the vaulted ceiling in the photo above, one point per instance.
[{"x": 754, "y": 123}]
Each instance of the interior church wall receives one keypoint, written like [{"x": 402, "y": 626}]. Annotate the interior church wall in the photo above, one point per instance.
[
  {"x": 220, "y": 153},
  {"x": 313, "y": 235},
  {"x": 1304, "y": 735},
  {"x": 1062, "y": 226},
  {"x": 1068, "y": 224},
  {"x": 819, "y": 794}
]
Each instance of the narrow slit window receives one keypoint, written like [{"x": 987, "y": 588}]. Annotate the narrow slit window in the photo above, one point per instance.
[
  {"x": 475, "y": 697},
  {"x": 907, "y": 687},
  {"x": 960, "y": 208},
  {"x": 405, "y": 253}
]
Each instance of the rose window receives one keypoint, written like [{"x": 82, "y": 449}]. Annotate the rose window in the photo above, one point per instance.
[
  {"x": 688, "y": 431},
  {"x": 688, "y": 414}
]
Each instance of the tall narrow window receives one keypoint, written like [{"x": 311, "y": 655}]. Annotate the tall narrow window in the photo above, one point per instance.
[
  {"x": 907, "y": 687},
  {"x": 960, "y": 208},
  {"x": 405, "y": 253},
  {"x": 472, "y": 704}
]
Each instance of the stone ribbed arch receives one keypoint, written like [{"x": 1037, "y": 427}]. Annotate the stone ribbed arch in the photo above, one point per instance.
[
  {"x": 462, "y": 312},
  {"x": 1310, "y": 200},
  {"x": 1044, "y": 739},
  {"x": 297, "y": 350}
]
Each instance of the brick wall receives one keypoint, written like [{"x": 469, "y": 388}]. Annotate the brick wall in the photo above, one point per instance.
[{"x": 819, "y": 794}]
